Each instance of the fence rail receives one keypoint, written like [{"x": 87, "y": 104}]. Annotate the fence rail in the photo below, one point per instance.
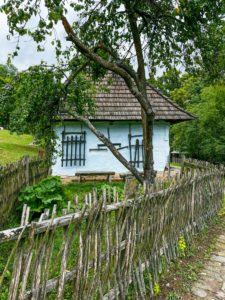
[
  {"x": 110, "y": 247},
  {"x": 16, "y": 176}
]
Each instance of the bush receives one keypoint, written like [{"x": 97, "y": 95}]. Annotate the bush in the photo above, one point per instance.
[{"x": 42, "y": 196}]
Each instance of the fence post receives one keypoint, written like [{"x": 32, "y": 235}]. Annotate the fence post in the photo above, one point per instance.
[
  {"x": 27, "y": 162},
  {"x": 130, "y": 188},
  {"x": 169, "y": 166}
]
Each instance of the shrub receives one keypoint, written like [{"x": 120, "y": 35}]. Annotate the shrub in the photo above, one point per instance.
[{"x": 44, "y": 195}]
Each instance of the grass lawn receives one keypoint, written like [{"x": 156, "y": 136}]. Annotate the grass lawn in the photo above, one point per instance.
[
  {"x": 80, "y": 190},
  {"x": 13, "y": 146}
]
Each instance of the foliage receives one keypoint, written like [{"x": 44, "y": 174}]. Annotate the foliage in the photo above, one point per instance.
[
  {"x": 222, "y": 210},
  {"x": 51, "y": 191},
  {"x": 156, "y": 289},
  {"x": 32, "y": 100},
  {"x": 182, "y": 245},
  {"x": 204, "y": 138},
  {"x": 14, "y": 146},
  {"x": 169, "y": 81},
  {"x": 6, "y": 73},
  {"x": 174, "y": 32},
  {"x": 45, "y": 195},
  {"x": 173, "y": 296},
  {"x": 74, "y": 189},
  {"x": 188, "y": 93}
]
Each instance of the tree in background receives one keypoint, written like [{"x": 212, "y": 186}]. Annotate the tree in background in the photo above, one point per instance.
[
  {"x": 203, "y": 138},
  {"x": 169, "y": 81},
  {"x": 118, "y": 35},
  {"x": 7, "y": 73}
]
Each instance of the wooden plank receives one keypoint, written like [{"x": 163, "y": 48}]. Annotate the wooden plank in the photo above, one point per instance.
[
  {"x": 137, "y": 135},
  {"x": 73, "y": 132},
  {"x": 135, "y": 153},
  {"x": 71, "y": 153},
  {"x": 84, "y": 148},
  {"x": 80, "y": 141},
  {"x": 120, "y": 148},
  {"x": 67, "y": 144},
  {"x": 98, "y": 149},
  {"x": 129, "y": 139},
  {"x": 75, "y": 158},
  {"x": 142, "y": 150},
  {"x": 114, "y": 144},
  {"x": 94, "y": 173},
  {"x": 63, "y": 137},
  {"x": 138, "y": 150}
]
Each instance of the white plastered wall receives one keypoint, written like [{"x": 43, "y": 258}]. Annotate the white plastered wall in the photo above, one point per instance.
[{"x": 104, "y": 160}]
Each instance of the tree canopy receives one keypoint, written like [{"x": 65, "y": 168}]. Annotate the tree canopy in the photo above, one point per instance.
[
  {"x": 7, "y": 73},
  {"x": 125, "y": 37},
  {"x": 204, "y": 138}
]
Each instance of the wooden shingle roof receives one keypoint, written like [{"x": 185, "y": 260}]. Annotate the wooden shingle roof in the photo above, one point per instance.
[{"x": 118, "y": 104}]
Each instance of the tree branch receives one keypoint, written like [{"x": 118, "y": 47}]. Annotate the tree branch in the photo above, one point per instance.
[
  {"x": 144, "y": 14},
  {"x": 74, "y": 74},
  {"x": 120, "y": 63},
  {"x": 137, "y": 43},
  {"x": 108, "y": 143},
  {"x": 108, "y": 65}
]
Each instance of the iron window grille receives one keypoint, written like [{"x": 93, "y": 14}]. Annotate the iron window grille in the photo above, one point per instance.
[
  {"x": 136, "y": 148},
  {"x": 73, "y": 148}
]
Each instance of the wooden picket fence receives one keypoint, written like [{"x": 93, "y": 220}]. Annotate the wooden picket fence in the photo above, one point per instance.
[
  {"x": 110, "y": 248},
  {"x": 177, "y": 160},
  {"x": 16, "y": 176}
]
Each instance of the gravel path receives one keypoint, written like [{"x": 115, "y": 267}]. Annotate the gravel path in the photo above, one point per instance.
[{"x": 211, "y": 283}]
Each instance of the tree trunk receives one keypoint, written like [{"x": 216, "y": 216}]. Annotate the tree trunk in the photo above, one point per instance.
[
  {"x": 148, "y": 167},
  {"x": 147, "y": 115}
]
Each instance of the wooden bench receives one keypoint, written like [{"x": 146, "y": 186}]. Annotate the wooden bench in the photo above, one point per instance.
[{"x": 81, "y": 174}]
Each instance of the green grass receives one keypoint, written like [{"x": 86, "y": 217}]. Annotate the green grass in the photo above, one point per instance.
[
  {"x": 175, "y": 165},
  {"x": 14, "y": 146},
  {"x": 80, "y": 190}
]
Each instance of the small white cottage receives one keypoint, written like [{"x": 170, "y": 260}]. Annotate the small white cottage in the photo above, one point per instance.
[{"x": 119, "y": 118}]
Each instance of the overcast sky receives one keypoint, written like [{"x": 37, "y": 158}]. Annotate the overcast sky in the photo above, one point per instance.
[{"x": 28, "y": 54}]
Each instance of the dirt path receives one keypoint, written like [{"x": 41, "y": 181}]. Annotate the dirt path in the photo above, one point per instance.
[
  {"x": 211, "y": 282},
  {"x": 201, "y": 273}
]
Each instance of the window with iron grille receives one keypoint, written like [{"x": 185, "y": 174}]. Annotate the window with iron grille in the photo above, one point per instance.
[
  {"x": 136, "y": 148},
  {"x": 73, "y": 148}
]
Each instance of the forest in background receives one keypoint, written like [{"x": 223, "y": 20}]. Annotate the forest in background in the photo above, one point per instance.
[{"x": 203, "y": 138}]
